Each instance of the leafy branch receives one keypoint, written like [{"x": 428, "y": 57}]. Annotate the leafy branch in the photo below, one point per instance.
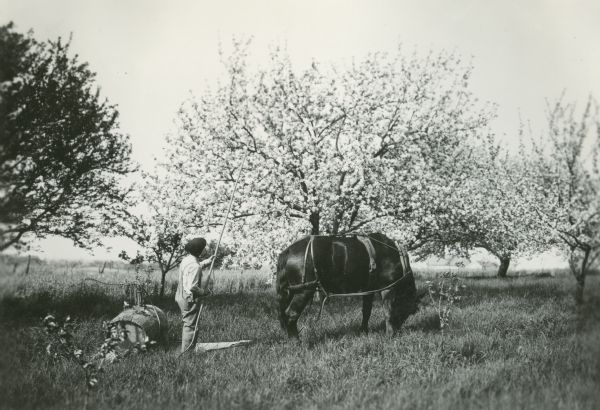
[{"x": 444, "y": 294}]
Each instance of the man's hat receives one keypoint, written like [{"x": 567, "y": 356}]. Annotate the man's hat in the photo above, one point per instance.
[{"x": 195, "y": 246}]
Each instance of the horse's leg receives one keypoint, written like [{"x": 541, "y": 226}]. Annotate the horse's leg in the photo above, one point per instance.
[
  {"x": 295, "y": 308},
  {"x": 283, "y": 299},
  {"x": 367, "y": 306},
  {"x": 387, "y": 298}
]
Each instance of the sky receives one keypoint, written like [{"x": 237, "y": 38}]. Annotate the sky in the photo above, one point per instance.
[{"x": 149, "y": 55}]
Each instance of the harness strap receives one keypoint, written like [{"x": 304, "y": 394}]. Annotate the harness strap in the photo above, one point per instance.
[
  {"x": 308, "y": 247},
  {"x": 366, "y": 241},
  {"x": 366, "y": 293},
  {"x": 403, "y": 256},
  {"x": 314, "y": 284},
  {"x": 312, "y": 255},
  {"x": 372, "y": 292},
  {"x": 304, "y": 286}
]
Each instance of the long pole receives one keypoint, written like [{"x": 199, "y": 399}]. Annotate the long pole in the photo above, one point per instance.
[{"x": 212, "y": 264}]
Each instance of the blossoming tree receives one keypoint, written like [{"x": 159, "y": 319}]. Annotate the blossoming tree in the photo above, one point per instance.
[
  {"x": 329, "y": 149},
  {"x": 564, "y": 183},
  {"x": 486, "y": 210}
]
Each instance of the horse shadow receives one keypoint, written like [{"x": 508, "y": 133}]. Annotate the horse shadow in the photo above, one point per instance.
[{"x": 313, "y": 336}]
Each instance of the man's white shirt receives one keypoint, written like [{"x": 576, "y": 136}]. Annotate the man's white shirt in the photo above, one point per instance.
[{"x": 189, "y": 273}]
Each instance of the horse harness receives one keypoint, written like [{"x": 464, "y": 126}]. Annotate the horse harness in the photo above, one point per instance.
[{"x": 317, "y": 285}]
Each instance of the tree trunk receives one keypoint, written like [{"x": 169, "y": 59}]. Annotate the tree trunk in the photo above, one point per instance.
[
  {"x": 579, "y": 290},
  {"x": 503, "y": 268},
  {"x": 579, "y": 272},
  {"x": 335, "y": 227},
  {"x": 337, "y": 222},
  {"x": 28, "y": 264},
  {"x": 314, "y": 221},
  {"x": 162, "y": 284}
]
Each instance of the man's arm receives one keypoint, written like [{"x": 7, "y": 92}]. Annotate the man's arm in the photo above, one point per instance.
[
  {"x": 196, "y": 290},
  {"x": 207, "y": 262}
]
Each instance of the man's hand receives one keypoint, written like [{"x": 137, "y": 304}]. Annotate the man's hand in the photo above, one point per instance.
[
  {"x": 197, "y": 291},
  {"x": 208, "y": 261}
]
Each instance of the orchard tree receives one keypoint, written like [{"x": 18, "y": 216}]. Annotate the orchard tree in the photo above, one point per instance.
[
  {"x": 158, "y": 229},
  {"x": 330, "y": 150},
  {"x": 162, "y": 231},
  {"x": 62, "y": 155},
  {"x": 488, "y": 211},
  {"x": 500, "y": 221},
  {"x": 565, "y": 183},
  {"x": 160, "y": 241}
]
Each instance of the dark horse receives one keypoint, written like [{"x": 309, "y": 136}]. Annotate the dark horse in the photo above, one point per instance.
[{"x": 341, "y": 264}]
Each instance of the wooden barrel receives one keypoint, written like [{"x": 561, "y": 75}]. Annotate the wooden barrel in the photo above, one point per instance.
[{"x": 141, "y": 324}]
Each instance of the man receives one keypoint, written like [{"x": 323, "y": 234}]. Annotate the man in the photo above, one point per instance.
[{"x": 188, "y": 289}]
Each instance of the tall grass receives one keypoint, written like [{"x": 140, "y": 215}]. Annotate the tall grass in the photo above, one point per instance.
[{"x": 519, "y": 343}]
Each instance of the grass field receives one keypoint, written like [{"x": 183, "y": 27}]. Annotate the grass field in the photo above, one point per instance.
[{"x": 515, "y": 343}]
